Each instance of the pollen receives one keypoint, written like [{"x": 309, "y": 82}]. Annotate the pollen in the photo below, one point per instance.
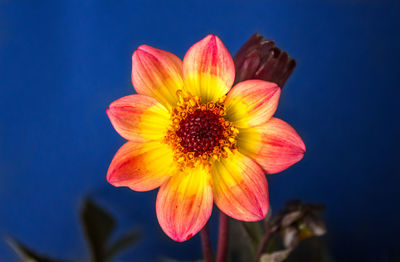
[{"x": 199, "y": 133}]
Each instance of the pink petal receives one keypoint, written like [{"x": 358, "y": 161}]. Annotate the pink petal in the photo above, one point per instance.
[
  {"x": 157, "y": 73},
  {"x": 274, "y": 145},
  {"x": 139, "y": 117},
  {"x": 208, "y": 69},
  {"x": 184, "y": 204},
  {"x": 252, "y": 103},
  {"x": 240, "y": 188},
  {"x": 141, "y": 166}
]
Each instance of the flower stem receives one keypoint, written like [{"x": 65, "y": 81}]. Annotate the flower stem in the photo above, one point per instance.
[
  {"x": 222, "y": 237},
  {"x": 206, "y": 244},
  {"x": 263, "y": 244}
]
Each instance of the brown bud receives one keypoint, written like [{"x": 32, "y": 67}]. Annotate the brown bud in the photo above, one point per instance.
[{"x": 261, "y": 59}]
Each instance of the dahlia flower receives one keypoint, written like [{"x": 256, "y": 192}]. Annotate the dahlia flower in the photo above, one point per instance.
[{"x": 199, "y": 139}]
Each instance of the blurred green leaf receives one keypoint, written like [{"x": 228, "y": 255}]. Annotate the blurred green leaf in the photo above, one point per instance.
[
  {"x": 123, "y": 242},
  {"x": 98, "y": 225},
  {"x": 241, "y": 248},
  {"x": 27, "y": 254},
  {"x": 254, "y": 231}
]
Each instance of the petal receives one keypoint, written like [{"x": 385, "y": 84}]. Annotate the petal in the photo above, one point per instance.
[
  {"x": 141, "y": 166},
  {"x": 184, "y": 203},
  {"x": 274, "y": 145},
  {"x": 252, "y": 102},
  {"x": 139, "y": 118},
  {"x": 240, "y": 188},
  {"x": 157, "y": 73},
  {"x": 208, "y": 69}
]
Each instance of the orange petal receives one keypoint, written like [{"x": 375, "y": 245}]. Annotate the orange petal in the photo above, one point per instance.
[
  {"x": 240, "y": 188},
  {"x": 252, "y": 102},
  {"x": 139, "y": 117},
  {"x": 274, "y": 145},
  {"x": 157, "y": 73},
  {"x": 208, "y": 69},
  {"x": 141, "y": 166},
  {"x": 184, "y": 203}
]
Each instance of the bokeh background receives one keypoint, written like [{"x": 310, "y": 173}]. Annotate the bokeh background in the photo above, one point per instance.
[{"x": 63, "y": 62}]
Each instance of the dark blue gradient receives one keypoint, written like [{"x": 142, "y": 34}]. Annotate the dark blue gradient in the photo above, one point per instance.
[{"x": 63, "y": 63}]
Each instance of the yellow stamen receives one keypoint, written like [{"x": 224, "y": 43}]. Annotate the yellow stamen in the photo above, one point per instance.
[{"x": 186, "y": 106}]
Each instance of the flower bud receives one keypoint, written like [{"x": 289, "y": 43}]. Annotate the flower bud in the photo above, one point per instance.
[{"x": 261, "y": 59}]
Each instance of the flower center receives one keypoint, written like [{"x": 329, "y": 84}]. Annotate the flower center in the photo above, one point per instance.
[{"x": 199, "y": 133}]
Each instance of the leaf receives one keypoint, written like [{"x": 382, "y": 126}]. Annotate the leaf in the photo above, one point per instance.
[
  {"x": 123, "y": 242},
  {"x": 26, "y": 253},
  {"x": 276, "y": 256},
  {"x": 241, "y": 247},
  {"x": 98, "y": 225},
  {"x": 254, "y": 231}
]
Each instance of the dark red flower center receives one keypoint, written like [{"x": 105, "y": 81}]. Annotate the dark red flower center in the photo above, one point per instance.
[{"x": 200, "y": 132}]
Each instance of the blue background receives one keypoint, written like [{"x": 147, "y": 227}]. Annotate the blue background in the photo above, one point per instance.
[{"x": 63, "y": 63}]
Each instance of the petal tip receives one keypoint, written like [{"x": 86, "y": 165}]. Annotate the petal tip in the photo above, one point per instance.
[
  {"x": 270, "y": 86},
  {"x": 303, "y": 147},
  {"x": 260, "y": 215},
  {"x": 213, "y": 41},
  {"x": 300, "y": 146},
  {"x": 145, "y": 49},
  {"x": 275, "y": 86},
  {"x": 141, "y": 51},
  {"x": 301, "y": 150},
  {"x": 211, "y": 37},
  {"x": 110, "y": 110},
  {"x": 109, "y": 114},
  {"x": 179, "y": 238},
  {"x": 136, "y": 54},
  {"x": 109, "y": 178},
  {"x": 276, "y": 90}
]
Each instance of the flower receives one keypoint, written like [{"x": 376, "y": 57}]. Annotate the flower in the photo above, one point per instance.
[{"x": 198, "y": 139}]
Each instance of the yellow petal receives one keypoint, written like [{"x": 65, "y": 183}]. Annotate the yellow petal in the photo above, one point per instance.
[
  {"x": 157, "y": 73},
  {"x": 274, "y": 145},
  {"x": 184, "y": 203},
  {"x": 252, "y": 102},
  {"x": 208, "y": 69},
  {"x": 141, "y": 166},
  {"x": 139, "y": 118},
  {"x": 240, "y": 188}
]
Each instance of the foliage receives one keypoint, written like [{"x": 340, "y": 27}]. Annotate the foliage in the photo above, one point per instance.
[{"x": 98, "y": 226}]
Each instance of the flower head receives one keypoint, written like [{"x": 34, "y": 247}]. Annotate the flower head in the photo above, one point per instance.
[{"x": 198, "y": 138}]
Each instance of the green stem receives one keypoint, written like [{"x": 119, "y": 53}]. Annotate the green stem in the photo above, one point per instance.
[{"x": 263, "y": 244}]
